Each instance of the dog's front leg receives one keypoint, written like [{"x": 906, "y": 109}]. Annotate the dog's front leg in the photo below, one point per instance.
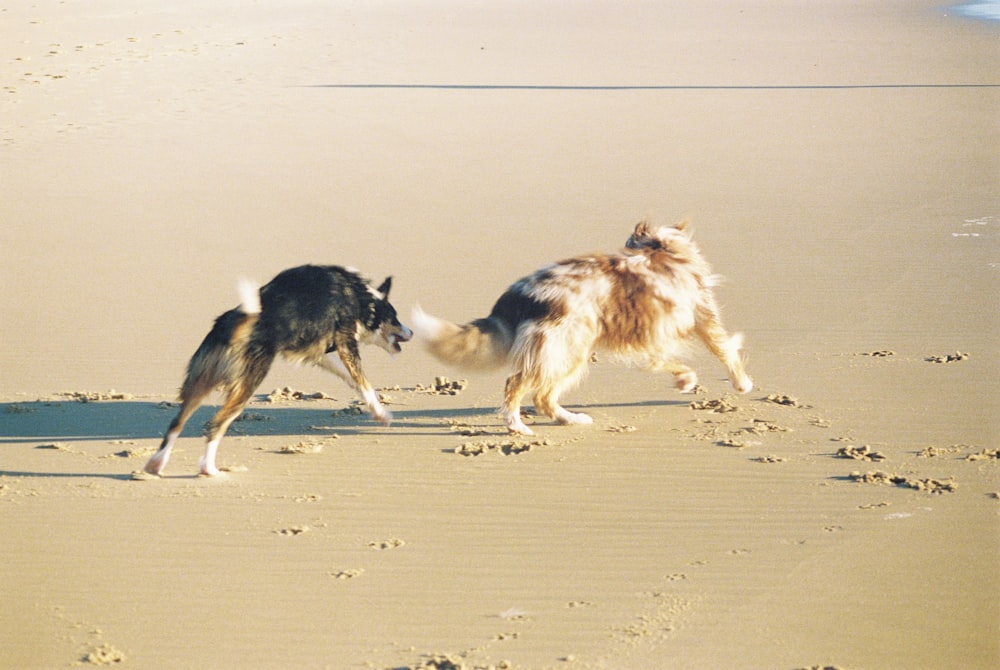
[
  {"x": 346, "y": 364},
  {"x": 725, "y": 347}
]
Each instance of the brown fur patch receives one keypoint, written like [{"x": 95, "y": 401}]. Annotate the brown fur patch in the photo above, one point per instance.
[
  {"x": 641, "y": 303},
  {"x": 631, "y": 312}
]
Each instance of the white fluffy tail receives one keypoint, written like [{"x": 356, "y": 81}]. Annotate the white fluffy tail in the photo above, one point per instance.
[
  {"x": 249, "y": 292},
  {"x": 482, "y": 344},
  {"x": 425, "y": 326}
]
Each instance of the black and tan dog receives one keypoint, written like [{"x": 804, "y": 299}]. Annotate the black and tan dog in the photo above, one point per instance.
[
  {"x": 642, "y": 304},
  {"x": 304, "y": 314}
]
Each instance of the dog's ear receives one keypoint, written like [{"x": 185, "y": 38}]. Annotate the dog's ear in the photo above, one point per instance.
[
  {"x": 683, "y": 226},
  {"x": 384, "y": 288},
  {"x": 642, "y": 228}
]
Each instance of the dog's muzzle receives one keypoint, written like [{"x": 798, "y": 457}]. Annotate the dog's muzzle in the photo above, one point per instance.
[{"x": 404, "y": 335}]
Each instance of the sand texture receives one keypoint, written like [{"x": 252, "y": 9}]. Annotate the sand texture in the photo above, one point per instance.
[{"x": 839, "y": 166}]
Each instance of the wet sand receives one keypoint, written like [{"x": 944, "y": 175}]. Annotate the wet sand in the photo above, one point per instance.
[{"x": 839, "y": 169}]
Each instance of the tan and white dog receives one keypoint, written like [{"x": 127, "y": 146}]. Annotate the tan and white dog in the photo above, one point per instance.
[{"x": 641, "y": 304}]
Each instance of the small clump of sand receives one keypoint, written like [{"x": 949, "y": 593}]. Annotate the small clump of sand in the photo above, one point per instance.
[
  {"x": 929, "y": 485},
  {"x": 507, "y": 447},
  {"x": 862, "y": 453},
  {"x": 443, "y": 386},
  {"x": 948, "y": 358},
  {"x": 288, "y": 394},
  {"x": 105, "y": 654}
]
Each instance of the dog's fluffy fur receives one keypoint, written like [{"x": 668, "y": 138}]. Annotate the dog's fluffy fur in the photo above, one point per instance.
[
  {"x": 304, "y": 314},
  {"x": 641, "y": 304}
]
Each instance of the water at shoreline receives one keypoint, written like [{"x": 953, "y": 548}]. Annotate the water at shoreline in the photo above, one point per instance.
[{"x": 987, "y": 9}]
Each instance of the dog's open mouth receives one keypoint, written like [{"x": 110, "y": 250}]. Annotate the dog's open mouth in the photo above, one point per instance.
[{"x": 396, "y": 338}]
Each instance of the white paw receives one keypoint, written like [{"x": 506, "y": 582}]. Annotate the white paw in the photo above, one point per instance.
[
  {"x": 574, "y": 418},
  {"x": 208, "y": 469},
  {"x": 516, "y": 426},
  {"x": 382, "y": 415},
  {"x": 155, "y": 465},
  {"x": 744, "y": 385}
]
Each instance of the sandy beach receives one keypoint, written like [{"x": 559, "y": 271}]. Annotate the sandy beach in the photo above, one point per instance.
[{"x": 839, "y": 167}]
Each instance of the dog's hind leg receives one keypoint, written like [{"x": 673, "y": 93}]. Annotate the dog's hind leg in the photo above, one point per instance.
[
  {"x": 237, "y": 397},
  {"x": 546, "y": 403},
  {"x": 547, "y": 399},
  {"x": 514, "y": 389},
  {"x": 725, "y": 347},
  {"x": 238, "y": 394},
  {"x": 219, "y": 359},
  {"x": 189, "y": 404}
]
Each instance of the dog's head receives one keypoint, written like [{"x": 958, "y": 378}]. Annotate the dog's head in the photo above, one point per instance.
[
  {"x": 672, "y": 239},
  {"x": 385, "y": 328}
]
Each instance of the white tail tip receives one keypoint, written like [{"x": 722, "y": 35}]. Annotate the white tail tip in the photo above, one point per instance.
[
  {"x": 249, "y": 292},
  {"x": 425, "y": 326}
]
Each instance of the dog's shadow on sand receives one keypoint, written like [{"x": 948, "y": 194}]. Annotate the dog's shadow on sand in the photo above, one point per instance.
[
  {"x": 57, "y": 425},
  {"x": 143, "y": 420},
  {"x": 120, "y": 477},
  {"x": 61, "y": 425},
  {"x": 138, "y": 420}
]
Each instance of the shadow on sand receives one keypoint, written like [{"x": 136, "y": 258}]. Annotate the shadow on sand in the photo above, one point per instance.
[{"x": 27, "y": 422}]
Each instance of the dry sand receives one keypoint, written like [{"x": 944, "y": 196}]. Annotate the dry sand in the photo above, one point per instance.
[{"x": 840, "y": 165}]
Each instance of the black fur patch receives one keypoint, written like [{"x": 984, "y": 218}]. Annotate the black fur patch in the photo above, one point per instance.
[
  {"x": 515, "y": 307},
  {"x": 309, "y": 304}
]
